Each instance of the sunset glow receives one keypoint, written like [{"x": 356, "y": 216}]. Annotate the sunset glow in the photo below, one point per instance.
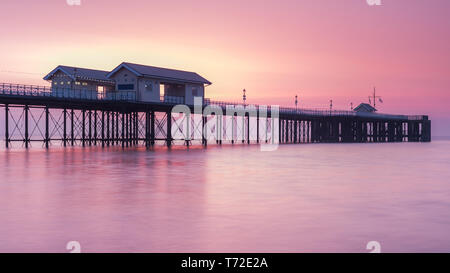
[{"x": 318, "y": 49}]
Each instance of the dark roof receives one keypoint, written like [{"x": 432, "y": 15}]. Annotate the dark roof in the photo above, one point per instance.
[
  {"x": 80, "y": 73},
  {"x": 365, "y": 107},
  {"x": 161, "y": 73}
]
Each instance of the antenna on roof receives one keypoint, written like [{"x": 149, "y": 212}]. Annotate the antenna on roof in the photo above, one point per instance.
[{"x": 375, "y": 97}]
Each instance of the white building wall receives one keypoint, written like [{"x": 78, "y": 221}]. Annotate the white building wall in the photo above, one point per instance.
[
  {"x": 189, "y": 96},
  {"x": 149, "y": 90}
]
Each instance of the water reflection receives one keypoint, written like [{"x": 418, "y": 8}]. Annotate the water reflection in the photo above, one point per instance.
[{"x": 220, "y": 199}]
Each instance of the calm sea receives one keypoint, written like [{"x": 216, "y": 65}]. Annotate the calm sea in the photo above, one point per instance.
[{"x": 300, "y": 198}]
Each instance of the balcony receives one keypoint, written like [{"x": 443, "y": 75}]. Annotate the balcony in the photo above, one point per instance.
[
  {"x": 172, "y": 99},
  {"x": 64, "y": 93}
]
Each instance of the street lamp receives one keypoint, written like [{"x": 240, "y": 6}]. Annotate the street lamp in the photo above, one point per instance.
[
  {"x": 244, "y": 97},
  {"x": 296, "y": 101}
]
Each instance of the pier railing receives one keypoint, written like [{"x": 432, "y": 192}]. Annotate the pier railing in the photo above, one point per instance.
[
  {"x": 319, "y": 112},
  {"x": 9, "y": 89},
  {"x": 64, "y": 93}
]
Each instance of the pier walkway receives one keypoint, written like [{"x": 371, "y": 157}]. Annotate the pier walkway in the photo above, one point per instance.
[{"x": 82, "y": 117}]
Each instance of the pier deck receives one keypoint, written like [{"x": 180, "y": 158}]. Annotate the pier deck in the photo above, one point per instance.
[{"x": 73, "y": 117}]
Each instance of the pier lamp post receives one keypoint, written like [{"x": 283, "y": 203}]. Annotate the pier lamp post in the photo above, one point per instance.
[
  {"x": 296, "y": 102},
  {"x": 331, "y": 105},
  {"x": 351, "y": 106},
  {"x": 244, "y": 97}
]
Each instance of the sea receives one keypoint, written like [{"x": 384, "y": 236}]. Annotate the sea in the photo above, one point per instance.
[{"x": 229, "y": 198}]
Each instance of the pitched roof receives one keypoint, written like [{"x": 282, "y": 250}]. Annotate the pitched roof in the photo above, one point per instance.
[
  {"x": 80, "y": 73},
  {"x": 365, "y": 107},
  {"x": 160, "y": 73}
]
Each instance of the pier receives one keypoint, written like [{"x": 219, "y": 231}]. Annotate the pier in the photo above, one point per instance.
[{"x": 36, "y": 114}]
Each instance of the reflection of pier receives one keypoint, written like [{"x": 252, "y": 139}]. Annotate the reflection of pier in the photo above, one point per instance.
[{"x": 35, "y": 114}]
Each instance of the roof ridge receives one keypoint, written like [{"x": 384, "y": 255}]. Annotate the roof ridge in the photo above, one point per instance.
[{"x": 159, "y": 67}]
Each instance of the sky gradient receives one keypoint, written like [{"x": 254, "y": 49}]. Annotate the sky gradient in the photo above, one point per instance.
[{"x": 318, "y": 49}]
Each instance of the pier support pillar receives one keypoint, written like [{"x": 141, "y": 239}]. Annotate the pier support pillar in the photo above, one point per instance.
[
  {"x": 7, "y": 125},
  {"x": 65, "y": 127},
  {"x": 169, "y": 129},
  {"x": 47, "y": 135},
  {"x": 152, "y": 128},
  {"x": 26, "y": 140}
]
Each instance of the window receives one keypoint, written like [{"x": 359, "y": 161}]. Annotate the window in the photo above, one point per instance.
[
  {"x": 101, "y": 92},
  {"x": 85, "y": 83},
  {"x": 55, "y": 83},
  {"x": 62, "y": 83},
  {"x": 77, "y": 83},
  {"x": 122, "y": 87},
  {"x": 194, "y": 92},
  {"x": 68, "y": 83},
  {"x": 148, "y": 86}
]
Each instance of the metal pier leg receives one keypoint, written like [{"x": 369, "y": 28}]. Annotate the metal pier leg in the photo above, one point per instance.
[
  {"x": 117, "y": 128},
  {"x": 72, "y": 133},
  {"x": 129, "y": 130},
  {"x": 123, "y": 130},
  {"x": 65, "y": 127},
  {"x": 248, "y": 128},
  {"x": 204, "y": 141},
  {"x": 47, "y": 136},
  {"x": 113, "y": 114},
  {"x": 147, "y": 128},
  {"x": 90, "y": 127},
  {"x": 152, "y": 128},
  {"x": 95, "y": 128},
  {"x": 280, "y": 137},
  {"x": 83, "y": 127},
  {"x": 103, "y": 128},
  {"x": 26, "y": 126},
  {"x": 7, "y": 125},
  {"x": 243, "y": 129},
  {"x": 257, "y": 127},
  {"x": 137, "y": 128},
  {"x": 107, "y": 128},
  {"x": 169, "y": 129}
]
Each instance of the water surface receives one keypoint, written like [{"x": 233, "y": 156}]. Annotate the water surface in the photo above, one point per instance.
[{"x": 300, "y": 198}]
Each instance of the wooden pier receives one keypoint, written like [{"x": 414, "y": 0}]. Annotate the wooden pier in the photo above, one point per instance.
[{"x": 32, "y": 114}]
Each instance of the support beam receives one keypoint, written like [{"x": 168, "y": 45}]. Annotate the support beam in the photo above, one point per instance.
[
  {"x": 27, "y": 139},
  {"x": 6, "y": 125},
  {"x": 47, "y": 135},
  {"x": 65, "y": 127},
  {"x": 72, "y": 125},
  {"x": 169, "y": 129},
  {"x": 152, "y": 128},
  {"x": 83, "y": 127}
]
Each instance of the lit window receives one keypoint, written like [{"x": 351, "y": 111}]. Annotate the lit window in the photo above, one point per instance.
[
  {"x": 68, "y": 83},
  {"x": 84, "y": 83},
  {"x": 55, "y": 83},
  {"x": 62, "y": 83}
]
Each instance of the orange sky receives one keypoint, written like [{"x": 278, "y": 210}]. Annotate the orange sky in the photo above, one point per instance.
[{"x": 318, "y": 49}]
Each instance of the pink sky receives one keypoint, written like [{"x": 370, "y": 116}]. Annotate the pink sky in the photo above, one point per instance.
[{"x": 318, "y": 49}]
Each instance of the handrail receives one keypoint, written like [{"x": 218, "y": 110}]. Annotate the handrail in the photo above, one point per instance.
[
  {"x": 10, "y": 89},
  {"x": 66, "y": 93},
  {"x": 318, "y": 112}
]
